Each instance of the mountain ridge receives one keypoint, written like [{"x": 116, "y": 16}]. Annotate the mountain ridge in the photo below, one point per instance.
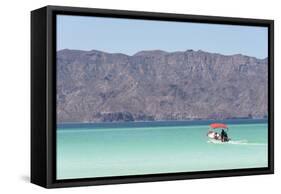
[
  {"x": 158, "y": 50},
  {"x": 96, "y": 86}
]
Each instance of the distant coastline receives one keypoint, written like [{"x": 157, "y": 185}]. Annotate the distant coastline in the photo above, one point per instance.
[{"x": 132, "y": 124}]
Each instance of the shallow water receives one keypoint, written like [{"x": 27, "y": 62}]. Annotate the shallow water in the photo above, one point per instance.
[{"x": 116, "y": 150}]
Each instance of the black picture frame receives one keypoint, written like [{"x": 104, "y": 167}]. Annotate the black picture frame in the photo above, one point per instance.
[{"x": 43, "y": 96}]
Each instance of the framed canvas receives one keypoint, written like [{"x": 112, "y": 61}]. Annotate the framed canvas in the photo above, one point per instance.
[{"x": 126, "y": 96}]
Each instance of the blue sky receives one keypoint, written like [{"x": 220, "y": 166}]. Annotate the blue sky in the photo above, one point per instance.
[{"x": 130, "y": 36}]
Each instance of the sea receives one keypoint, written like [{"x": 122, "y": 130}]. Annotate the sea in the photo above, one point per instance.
[{"x": 88, "y": 150}]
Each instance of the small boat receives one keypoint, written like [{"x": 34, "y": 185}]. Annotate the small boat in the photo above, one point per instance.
[{"x": 215, "y": 135}]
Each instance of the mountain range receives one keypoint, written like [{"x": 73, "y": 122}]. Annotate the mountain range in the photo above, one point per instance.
[{"x": 155, "y": 85}]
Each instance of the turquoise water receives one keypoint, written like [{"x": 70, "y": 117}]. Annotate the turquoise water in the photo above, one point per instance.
[{"x": 99, "y": 150}]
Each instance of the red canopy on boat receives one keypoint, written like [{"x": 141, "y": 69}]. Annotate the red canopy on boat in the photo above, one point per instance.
[{"x": 218, "y": 125}]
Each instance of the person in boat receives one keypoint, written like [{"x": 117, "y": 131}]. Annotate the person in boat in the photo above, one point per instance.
[
  {"x": 217, "y": 136},
  {"x": 224, "y": 136}
]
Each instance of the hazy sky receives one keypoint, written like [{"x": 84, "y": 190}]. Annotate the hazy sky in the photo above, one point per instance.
[{"x": 130, "y": 36}]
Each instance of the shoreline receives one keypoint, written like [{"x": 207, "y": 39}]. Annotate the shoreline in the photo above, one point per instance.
[{"x": 132, "y": 124}]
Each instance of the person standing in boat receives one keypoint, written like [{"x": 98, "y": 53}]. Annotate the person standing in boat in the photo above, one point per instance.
[{"x": 224, "y": 136}]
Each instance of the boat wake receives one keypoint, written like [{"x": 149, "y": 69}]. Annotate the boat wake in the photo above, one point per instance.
[{"x": 237, "y": 142}]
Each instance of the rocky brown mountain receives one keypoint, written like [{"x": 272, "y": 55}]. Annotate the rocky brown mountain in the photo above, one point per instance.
[{"x": 95, "y": 86}]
